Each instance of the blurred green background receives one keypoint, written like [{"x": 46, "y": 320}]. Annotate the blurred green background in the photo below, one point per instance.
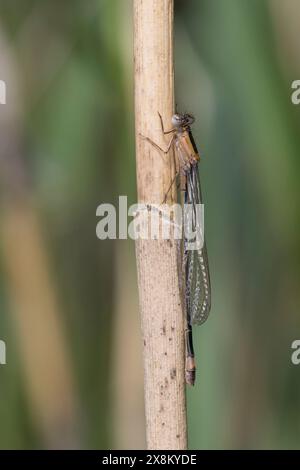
[{"x": 69, "y": 309}]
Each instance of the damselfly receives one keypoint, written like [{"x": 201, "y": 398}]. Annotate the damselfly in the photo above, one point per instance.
[{"x": 195, "y": 262}]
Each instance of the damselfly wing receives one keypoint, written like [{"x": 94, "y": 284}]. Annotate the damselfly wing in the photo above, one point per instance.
[{"x": 198, "y": 292}]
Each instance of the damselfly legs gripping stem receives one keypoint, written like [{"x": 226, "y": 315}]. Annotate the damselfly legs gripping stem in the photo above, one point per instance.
[{"x": 195, "y": 268}]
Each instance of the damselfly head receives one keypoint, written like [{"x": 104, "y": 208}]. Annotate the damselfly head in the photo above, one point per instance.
[{"x": 182, "y": 120}]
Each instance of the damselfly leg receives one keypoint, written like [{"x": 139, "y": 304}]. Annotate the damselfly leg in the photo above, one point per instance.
[
  {"x": 165, "y": 152},
  {"x": 162, "y": 126},
  {"x": 154, "y": 144}
]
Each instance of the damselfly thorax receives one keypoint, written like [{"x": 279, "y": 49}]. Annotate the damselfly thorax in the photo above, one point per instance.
[{"x": 195, "y": 262}]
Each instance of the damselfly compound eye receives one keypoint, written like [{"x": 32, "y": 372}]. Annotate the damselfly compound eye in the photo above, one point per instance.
[
  {"x": 189, "y": 119},
  {"x": 176, "y": 120}
]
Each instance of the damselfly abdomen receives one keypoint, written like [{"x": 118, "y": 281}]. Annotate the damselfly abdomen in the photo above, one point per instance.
[{"x": 195, "y": 262}]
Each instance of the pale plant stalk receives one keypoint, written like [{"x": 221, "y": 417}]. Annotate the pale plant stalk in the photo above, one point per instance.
[{"x": 157, "y": 260}]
